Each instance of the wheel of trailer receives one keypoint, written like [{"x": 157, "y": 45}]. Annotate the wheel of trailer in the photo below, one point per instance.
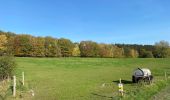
[{"x": 133, "y": 79}]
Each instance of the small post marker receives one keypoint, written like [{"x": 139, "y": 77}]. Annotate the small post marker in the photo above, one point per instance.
[
  {"x": 14, "y": 86},
  {"x": 120, "y": 86},
  {"x": 23, "y": 78}
]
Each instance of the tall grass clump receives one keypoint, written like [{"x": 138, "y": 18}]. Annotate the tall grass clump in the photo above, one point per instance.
[{"x": 146, "y": 91}]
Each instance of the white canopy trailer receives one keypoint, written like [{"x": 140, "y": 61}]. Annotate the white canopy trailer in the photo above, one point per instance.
[{"x": 141, "y": 74}]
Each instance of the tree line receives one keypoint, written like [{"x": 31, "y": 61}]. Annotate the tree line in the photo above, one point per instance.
[{"x": 24, "y": 45}]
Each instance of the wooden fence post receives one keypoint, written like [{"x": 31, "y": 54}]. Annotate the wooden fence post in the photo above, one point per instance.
[
  {"x": 14, "y": 86},
  {"x": 22, "y": 78}
]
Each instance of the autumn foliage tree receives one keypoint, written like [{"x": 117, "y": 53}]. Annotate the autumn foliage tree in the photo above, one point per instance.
[
  {"x": 52, "y": 49},
  {"x": 111, "y": 51},
  {"x": 66, "y": 47},
  {"x": 3, "y": 43},
  {"x": 31, "y": 46},
  {"x": 130, "y": 53},
  {"x": 22, "y": 45},
  {"x": 38, "y": 48},
  {"x": 89, "y": 49},
  {"x": 105, "y": 50},
  {"x": 118, "y": 52},
  {"x": 76, "y": 50}
]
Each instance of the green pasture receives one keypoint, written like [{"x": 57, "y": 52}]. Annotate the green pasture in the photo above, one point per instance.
[{"x": 90, "y": 78}]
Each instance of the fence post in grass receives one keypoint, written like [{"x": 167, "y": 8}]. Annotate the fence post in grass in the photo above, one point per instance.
[
  {"x": 120, "y": 86},
  {"x": 14, "y": 86},
  {"x": 23, "y": 78}
]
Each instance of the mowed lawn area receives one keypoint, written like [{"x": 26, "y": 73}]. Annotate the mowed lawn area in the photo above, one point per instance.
[{"x": 88, "y": 78}]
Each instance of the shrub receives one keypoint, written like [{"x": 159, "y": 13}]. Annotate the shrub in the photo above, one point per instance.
[
  {"x": 146, "y": 54},
  {"x": 7, "y": 66}
]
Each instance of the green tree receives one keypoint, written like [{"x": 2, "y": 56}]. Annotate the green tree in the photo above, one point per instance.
[
  {"x": 161, "y": 49},
  {"x": 168, "y": 52},
  {"x": 7, "y": 67},
  {"x": 145, "y": 54}
]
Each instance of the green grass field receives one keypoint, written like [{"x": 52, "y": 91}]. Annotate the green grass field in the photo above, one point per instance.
[
  {"x": 164, "y": 94},
  {"x": 89, "y": 78}
]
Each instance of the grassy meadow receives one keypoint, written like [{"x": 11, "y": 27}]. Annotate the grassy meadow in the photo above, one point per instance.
[{"x": 90, "y": 78}]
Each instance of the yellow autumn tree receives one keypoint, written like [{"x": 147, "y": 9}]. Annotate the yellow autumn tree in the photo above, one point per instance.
[
  {"x": 76, "y": 51},
  {"x": 3, "y": 42},
  {"x": 134, "y": 53}
]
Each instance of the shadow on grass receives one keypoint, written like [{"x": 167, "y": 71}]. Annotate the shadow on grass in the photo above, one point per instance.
[
  {"x": 123, "y": 81},
  {"x": 102, "y": 95}
]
